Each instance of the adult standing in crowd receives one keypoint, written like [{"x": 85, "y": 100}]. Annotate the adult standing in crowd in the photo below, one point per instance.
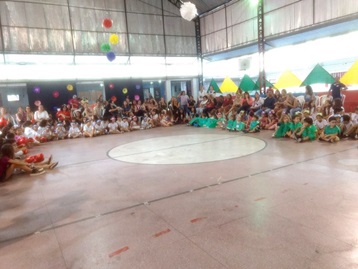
[{"x": 336, "y": 88}]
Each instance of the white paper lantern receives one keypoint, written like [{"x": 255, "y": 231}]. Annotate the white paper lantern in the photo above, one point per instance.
[{"x": 188, "y": 11}]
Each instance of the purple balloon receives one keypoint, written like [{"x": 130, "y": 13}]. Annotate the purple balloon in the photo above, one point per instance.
[
  {"x": 37, "y": 89},
  {"x": 111, "y": 56},
  {"x": 137, "y": 86}
]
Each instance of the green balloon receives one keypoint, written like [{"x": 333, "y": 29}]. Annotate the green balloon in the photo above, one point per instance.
[{"x": 105, "y": 47}]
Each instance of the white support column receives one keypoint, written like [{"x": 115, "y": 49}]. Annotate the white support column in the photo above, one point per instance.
[{"x": 168, "y": 90}]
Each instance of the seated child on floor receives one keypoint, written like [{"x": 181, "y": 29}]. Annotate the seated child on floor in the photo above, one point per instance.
[
  {"x": 308, "y": 132},
  {"x": 296, "y": 125},
  {"x": 221, "y": 123},
  {"x": 331, "y": 131},
  {"x": 283, "y": 127},
  {"x": 231, "y": 123},
  {"x": 254, "y": 125},
  {"x": 272, "y": 121},
  {"x": 346, "y": 124},
  {"x": 263, "y": 120},
  {"x": 113, "y": 127},
  {"x": 239, "y": 124},
  {"x": 74, "y": 131},
  {"x": 320, "y": 123}
]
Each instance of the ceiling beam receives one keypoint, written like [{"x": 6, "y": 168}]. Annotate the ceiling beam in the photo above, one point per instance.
[{"x": 176, "y": 3}]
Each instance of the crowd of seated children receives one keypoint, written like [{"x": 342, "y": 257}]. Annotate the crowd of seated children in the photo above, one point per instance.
[
  {"x": 306, "y": 123},
  {"x": 242, "y": 113}
]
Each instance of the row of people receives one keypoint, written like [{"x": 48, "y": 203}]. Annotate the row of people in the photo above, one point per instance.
[{"x": 285, "y": 126}]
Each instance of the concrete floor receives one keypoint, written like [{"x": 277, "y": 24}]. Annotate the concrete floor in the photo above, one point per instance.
[{"x": 199, "y": 198}]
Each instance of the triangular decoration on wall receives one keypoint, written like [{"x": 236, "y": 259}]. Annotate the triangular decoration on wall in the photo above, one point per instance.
[
  {"x": 351, "y": 77},
  {"x": 318, "y": 75},
  {"x": 268, "y": 84},
  {"x": 228, "y": 85},
  {"x": 214, "y": 85},
  {"x": 287, "y": 79},
  {"x": 247, "y": 84}
]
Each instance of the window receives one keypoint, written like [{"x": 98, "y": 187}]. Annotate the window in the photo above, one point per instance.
[{"x": 13, "y": 97}]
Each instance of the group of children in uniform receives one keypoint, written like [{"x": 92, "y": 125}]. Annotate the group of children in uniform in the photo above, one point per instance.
[{"x": 302, "y": 127}]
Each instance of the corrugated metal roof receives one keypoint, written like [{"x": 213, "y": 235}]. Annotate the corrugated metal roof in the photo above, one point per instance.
[{"x": 207, "y": 5}]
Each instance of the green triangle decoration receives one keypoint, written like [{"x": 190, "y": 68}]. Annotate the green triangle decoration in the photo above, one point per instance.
[
  {"x": 268, "y": 84},
  {"x": 318, "y": 75},
  {"x": 215, "y": 86},
  {"x": 247, "y": 84}
]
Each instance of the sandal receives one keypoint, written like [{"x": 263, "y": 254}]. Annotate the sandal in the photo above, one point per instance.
[{"x": 52, "y": 166}]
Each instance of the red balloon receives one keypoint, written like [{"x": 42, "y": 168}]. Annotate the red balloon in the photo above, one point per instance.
[
  {"x": 43, "y": 139},
  {"x": 30, "y": 159},
  {"x": 55, "y": 94},
  {"x": 39, "y": 158},
  {"x": 25, "y": 151},
  {"x": 107, "y": 23},
  {"x": 22, "y": 141},
  {"x": 30, "y": 140},
  {"x": 113, "y": 98}
]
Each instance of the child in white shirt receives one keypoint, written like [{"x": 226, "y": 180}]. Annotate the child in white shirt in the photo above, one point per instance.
[
  {"x": 113, "y": 127},
  {"x": 74, "y": 131}
]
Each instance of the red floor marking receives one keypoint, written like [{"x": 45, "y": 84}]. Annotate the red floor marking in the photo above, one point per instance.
[
  {"x": 197, "y": 219},
  {"x": 119, "y": 251},
  {"x": 259, "y": 199},
  {"x": 161, "y": 233}
]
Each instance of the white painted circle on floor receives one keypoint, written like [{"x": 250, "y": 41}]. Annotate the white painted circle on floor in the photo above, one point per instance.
[
  {"x": 353, "y": 162},
  {"x": 185, "y": 149}
]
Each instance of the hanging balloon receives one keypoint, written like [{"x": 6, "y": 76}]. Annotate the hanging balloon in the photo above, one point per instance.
[
  {"x": 136, "y": 97},
  {"x": 113, "y": 98},
  {"x": 37, "y": 103},
  {"x": 105, "y": 47},
  {"x": 107, "y": 23},
  {"x": 37, "y": 90},
  {"x": 137, "y": 86},
  {"x": 111, "y": 86},
  {"x": 111, "y": 56},
  {"x": 69, "y": 87},
  {"x": 114, "y": 39},
  {"x": 55, "y": 94},
  {"x": 125, "y": 90}
]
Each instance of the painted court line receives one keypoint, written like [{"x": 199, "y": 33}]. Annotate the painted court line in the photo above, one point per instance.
[
  {"x": 198, "y": 219},
  {"x": 119, "y": 251},
  {"x": 161, "y": 233}
]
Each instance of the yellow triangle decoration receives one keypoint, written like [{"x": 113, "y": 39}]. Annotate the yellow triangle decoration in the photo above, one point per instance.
[
  {"x": 288, "y": 79},
  {"x": 228, "y": 85},
  {"x": 351, "y": 77}
]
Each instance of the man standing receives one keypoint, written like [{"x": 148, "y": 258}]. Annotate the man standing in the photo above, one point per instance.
[{"x": 336, "y": 89}]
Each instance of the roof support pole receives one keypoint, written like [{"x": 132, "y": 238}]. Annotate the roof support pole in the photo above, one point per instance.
[{"x": 261, "y": 45}]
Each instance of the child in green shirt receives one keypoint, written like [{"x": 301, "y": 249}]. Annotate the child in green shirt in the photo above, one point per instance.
[
  {"x": 308, "y": 131},
  {"x": 331, "y": 132}
]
